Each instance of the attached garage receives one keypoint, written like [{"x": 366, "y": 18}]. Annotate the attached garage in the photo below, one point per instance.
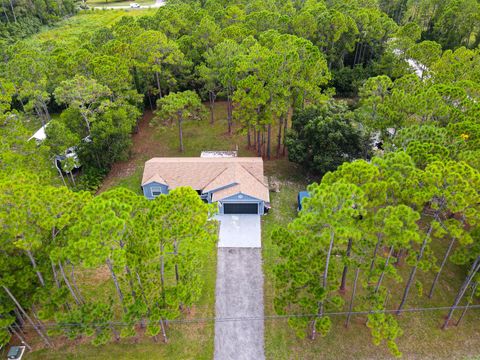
[
  {"x": 236, "y": 185},
  {"x": 240, "y": 208}
]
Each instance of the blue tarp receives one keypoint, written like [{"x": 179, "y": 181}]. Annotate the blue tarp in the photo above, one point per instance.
[{"x": 301, "y": 196}]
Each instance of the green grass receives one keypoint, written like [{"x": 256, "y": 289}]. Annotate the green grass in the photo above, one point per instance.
[
  {"x": 82, "y": 25},
  {"x": 100, "y": 3},
  {"x": 422, "y": 339},
  {"x": 162, "y": 141},
  {"x": 188, "y": 340}
]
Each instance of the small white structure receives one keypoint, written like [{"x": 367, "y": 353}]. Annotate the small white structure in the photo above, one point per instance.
[
  {"x": 40, "y": 135},
  {"x": 218, "y": 154},
  {"x": 416, "y": 66},
  {"x": 71, "y": 152}
]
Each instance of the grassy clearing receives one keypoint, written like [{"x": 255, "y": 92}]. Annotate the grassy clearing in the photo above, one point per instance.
[
  {"x": 422, "y": 339},
  {"x": 186, "y": 340},
  {"x": 85, "y": 23},
  {"x": 100, "y": 3}
]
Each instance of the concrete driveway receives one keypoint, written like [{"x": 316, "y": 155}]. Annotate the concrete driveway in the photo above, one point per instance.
[
  {"x": 239, "y": 231},
  {"x": 239, "y": 313}
]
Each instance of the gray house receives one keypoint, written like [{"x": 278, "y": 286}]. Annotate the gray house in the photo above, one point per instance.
[{"x": 236, "y": 184}]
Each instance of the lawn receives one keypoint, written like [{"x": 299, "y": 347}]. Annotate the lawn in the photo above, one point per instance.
[{"x": 422, "y": 339}]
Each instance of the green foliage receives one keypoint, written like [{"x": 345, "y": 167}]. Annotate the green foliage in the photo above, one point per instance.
[
  {"x": 306, "y": 247},
  {"x": 323, "y": 138},
  {"x": 265, "y": 58},
  {"x": 347, "y": 81},
  {"x": 178, "y": 107},
  {"x": 90, "y": 180},
  {"x": 20, "y": 19}
]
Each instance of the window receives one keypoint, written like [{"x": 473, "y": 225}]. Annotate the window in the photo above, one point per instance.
[{"x": 156, "y": 190}]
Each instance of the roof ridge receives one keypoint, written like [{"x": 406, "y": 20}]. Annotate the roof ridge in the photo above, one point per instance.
[
  {"x": 261, "y": 182},
  {"x": 215, "y": 177}
]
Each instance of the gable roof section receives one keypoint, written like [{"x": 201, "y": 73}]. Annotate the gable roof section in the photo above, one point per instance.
[
  {"x": 246, "y": 183},
  {"x": 155, "y": 178},
  {"x": 229, "y": 175}
]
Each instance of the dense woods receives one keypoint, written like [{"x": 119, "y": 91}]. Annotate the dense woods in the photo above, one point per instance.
[
  {"x": 412, "y": 71},
  {"x": 21, "y": 18}
]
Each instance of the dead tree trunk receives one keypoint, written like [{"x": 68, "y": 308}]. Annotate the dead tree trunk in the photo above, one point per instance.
[
  {"x": 470, "y": 300},
  {"x": 285, "y": 128},
  {"x": 259, "y": 143},
  {"x": 229, "y": 114},
  {"x": 13, "y": 11},
  {"x": 55, "y": 276},
  {"x": 117, "y": 285},
  {"x": 211, "y": 98},
  {"x": 29, "y": 319},
  {"x": 5, "y": 13},
  {"x": 345, "y": 268},
  {"x": 354, "y": 290},
  {"x": 324, "y": 284},
  {"x": 269, "y": 134},
  {"x": 180, "y": 132},
  {"x": 379, "y": 282},
  {"x": 157, "y": 78},
  {"x": 34, "y": 264},
  {"x": 444, "y": 261},
  {"x": 74, "y": 282},
  {"x": 11, "y": 328},
  {"x": 413, "y": 272},
  {"x": 473, "y": 271},
  {"x": 65, "y": 279},
  {"x": 374, "y": 256},
  {"x": 279, "y": 136}
]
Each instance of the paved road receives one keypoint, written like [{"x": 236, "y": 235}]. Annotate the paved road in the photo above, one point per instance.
[
  {"x": 158, "y": 3},
  {"x": 239, "y": 293},
  {"x": 239, "y": 231}
]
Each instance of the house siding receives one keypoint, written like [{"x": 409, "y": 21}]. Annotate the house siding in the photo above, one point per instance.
[
  {"x": 147, "y": 189},
  {"x": 234, "y": 199}
]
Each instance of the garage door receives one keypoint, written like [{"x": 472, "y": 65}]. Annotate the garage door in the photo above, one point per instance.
[{"x": 240, "y": 208}]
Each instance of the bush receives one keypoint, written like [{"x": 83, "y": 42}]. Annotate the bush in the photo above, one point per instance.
[
  {"x": 90, "y": 180},
  {"x": 323, "y": 138},
  {"x": 348, "y": 80}
]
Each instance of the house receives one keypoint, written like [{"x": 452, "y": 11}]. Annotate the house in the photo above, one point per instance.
[{"x": 236, "y": 184}]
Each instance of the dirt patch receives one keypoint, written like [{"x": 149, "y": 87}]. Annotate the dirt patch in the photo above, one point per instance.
[
  {"x": 144, "y": 145},
  {"x": 95, "y": 276}
]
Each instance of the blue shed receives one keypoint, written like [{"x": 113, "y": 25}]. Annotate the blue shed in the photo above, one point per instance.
[{"x": 302, "y": 195}]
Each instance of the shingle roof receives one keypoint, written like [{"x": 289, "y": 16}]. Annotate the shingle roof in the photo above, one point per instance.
[{"x": 238, "y": 174}]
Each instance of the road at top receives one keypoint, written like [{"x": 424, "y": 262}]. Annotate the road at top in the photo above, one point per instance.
[{"x": 158, "y": 3}]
